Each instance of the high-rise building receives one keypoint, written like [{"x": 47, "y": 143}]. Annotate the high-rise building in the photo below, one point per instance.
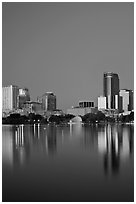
[
  {"x": 23, "y": 97},
  {"x": 127, "y": 99},
  {"x": 9, "y": 98},
  {"x": 48, "y": 101},
  {"x": 111, "y": 89},
  {"x": 101, "y": 102}
]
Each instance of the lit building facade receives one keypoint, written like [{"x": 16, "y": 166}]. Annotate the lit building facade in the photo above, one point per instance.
[
  {"x": 48, "y": 101},
  {"x": 101, "y": 102},
  {"x": 127, "y": 99},
  {"x": 111, "y": 90},
  {"x": 23, "y": 97},
  {"x": 9, "y": 98}
]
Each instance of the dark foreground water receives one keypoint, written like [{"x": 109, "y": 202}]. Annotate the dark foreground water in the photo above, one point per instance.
[{"x": 68, "y": 163}]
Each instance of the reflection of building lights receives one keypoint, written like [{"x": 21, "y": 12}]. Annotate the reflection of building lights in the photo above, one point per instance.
[
  {"x": 22, "y": 132},
  {"x": 34, "y": 129},
  {"x": 38, "y": 130},
  {"x": 46, "y": 144},
  {"x": 62, "y": 136},
  {"x": 125, "y": 145},
  {"x": 70, "y": 129},
  {"x": 114, "y": 146},
  {"x": 75, "y": 129},
  {"x": 102, "y": 144},
  {"x": 116, "y": 143},
  {"x": 109, "y": 138},
  {"x": 21, "y": 154},
  {"x": 78, "y": 128},
  {"x": 19, "y": 136},
  {"x": 16, "y": 137},
  {"x": 7, "y": 146}
]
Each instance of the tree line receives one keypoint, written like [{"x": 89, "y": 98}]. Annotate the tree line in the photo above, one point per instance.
[{"x": 32, "y": 118}]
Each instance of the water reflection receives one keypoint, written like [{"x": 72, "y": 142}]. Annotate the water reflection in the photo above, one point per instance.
[
  {"x": 90, "y": 137},
  {"x": 21, "y": 145},
  {"x": 51, "y": 141},
  {"x": 20, "y": 141},
  {"x": 114, "y": 143},
  {"x": 7, "y": 145}
]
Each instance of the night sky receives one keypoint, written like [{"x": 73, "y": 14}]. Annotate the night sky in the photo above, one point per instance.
[{"x": 66, "y": 47}]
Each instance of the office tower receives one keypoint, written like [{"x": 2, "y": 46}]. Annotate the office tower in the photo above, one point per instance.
[
  {"x": 23, "y": 97},
  {"x": 111, "y": 89},
  {"x": 127, "y": 99},
  {"x": 86, "y": 104},
  {"x": 48, "y": 101},
  {"x": 9, "y": 98},
  {"x": 101, "y": 102}
]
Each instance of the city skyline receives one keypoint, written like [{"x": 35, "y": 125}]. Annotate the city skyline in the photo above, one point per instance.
[
  {"x": 66, "y": 47},
  {"x": 112, "y": 98}
]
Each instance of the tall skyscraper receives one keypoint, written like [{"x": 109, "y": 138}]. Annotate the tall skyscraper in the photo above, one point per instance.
[
  {"x": 48, "y": 101},
  {"x": 9, "y": 98},
  {"x": 111, "y": 89},
  {"x": 23, "y": 97},
  {"x": 127, "y": 99}
]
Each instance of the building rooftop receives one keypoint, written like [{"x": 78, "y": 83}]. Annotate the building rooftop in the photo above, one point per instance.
[
  {"x": 85, "y": 101},
  {"x": 30, "y": 102},
  {"x": 9, "y": 86},
  {"x": 126, "y": 90},
  {"x": 110, "y": 74}
]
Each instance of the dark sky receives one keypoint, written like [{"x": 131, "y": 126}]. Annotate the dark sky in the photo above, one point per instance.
[{"x": 66, "y": 47}]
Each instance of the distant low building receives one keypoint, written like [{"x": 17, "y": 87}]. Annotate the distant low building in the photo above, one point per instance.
[
  {"x": 78, "y": 111},
  {"x": 33, "y": 107},
  {"x": 86, "y": 104}
]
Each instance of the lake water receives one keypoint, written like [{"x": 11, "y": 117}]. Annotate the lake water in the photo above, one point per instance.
[{"x": 68, "y": 163}]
